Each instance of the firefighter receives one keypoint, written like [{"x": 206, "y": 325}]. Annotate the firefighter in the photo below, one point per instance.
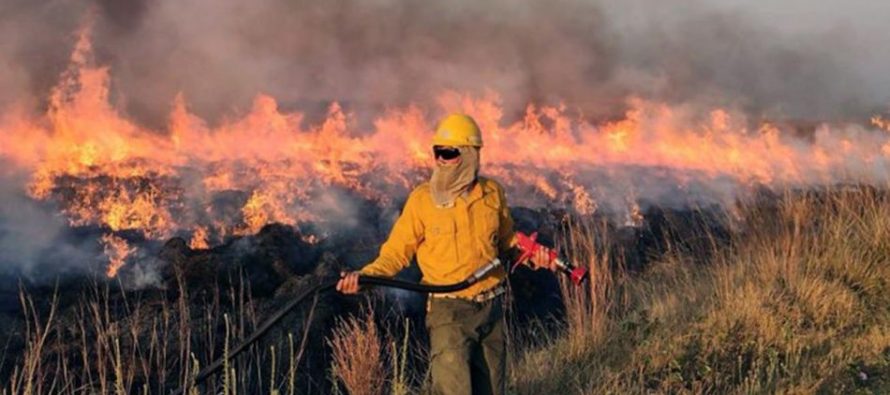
[{"x": 455, "y": 224}]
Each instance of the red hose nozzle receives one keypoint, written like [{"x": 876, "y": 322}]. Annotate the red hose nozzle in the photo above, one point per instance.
[{"x": 528, "y": 245}]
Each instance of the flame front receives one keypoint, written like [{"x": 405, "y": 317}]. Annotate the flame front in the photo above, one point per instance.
[{"x": 269, "y": 165}]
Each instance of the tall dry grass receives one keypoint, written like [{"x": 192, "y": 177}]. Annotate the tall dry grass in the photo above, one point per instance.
[
  {"x": 587, "y": 310},
  {"x": 358, "y": 356},
  {"x": 796, "y": 299},
  {"x": 366, "y": 361},
  {"x": 127, "y": 345}
]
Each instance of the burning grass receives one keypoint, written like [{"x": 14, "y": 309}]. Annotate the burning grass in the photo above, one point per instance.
[
  {"x": 213, "y": 179},
  {"x": 794, "y": 300}
]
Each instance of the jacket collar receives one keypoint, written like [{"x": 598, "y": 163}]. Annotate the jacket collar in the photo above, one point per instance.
[{"x": 482, "y": 188}]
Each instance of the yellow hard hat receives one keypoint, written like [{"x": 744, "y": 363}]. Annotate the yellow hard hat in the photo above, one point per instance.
[{"x": 458, "y": 129}]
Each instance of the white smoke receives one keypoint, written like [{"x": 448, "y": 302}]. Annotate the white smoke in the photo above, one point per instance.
[{"x": 34, "y": 239}]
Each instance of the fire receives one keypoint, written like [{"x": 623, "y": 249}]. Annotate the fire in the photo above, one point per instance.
[
  {"x": 881, "y": 122},
  {"x": 117, "y": 250},
  {"x": 207, "y": 182},
  {"x": 199, "y": 239}
]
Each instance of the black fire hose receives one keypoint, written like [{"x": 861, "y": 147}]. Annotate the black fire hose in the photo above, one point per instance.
[{"x": 325, "y": 285}]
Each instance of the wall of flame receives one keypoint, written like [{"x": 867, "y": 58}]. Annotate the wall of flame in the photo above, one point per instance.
[{"x": 100, "y": 168}]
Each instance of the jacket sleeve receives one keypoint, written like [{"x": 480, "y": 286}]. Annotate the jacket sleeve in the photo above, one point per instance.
[
  {"x": 398, "y": 250},
  {"x": 506, "y": 234}
]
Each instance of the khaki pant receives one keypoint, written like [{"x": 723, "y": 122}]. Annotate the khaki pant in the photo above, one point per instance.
[{"x": 467, "y": 346}]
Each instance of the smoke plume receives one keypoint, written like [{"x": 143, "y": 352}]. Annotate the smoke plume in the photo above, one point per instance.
[{"x": 791, "y": 59}]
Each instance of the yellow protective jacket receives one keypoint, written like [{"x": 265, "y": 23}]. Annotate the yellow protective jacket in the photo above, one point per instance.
[{"x": 450, "y": 243}]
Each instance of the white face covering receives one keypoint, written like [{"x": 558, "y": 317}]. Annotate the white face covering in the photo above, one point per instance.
[{"x": 450, "y": 181}]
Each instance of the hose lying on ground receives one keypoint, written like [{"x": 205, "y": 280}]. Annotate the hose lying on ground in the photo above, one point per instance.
[{"x": 326, "y": 285}]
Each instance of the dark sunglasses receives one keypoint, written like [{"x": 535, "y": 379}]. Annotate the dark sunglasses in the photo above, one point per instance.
[{"x": 446, "y": 153}]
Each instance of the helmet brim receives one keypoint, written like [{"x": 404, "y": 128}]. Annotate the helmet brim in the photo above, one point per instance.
[{"x": 452, "y": 142}]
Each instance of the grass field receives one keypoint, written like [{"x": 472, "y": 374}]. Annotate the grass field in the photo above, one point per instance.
[{"x": 795, "y": 300}]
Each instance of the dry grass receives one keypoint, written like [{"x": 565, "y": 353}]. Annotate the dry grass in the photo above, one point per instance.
[
  {"x": 796, "y": 300},
  {"x": 122, "y": 346},
  {"x": 358, "y": 356}
]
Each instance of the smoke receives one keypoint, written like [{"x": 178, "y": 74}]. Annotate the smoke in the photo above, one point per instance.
[
  {"x": 789, "y": 59},
  {"x": 782, "y": 59},
  {"x": 777, "y": 60},
  {"x": 34, "y": 241}
]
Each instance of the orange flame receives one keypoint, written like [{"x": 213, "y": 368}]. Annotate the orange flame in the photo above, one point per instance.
[
  {"x": 117, "y": 250},
  {"x": 105, "y": 170},
  {"x": 199, "y": 239}
]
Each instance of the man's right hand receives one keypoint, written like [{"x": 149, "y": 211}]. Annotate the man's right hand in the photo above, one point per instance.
[
  {"x": 543, "y": 260},
  {"x": 348, "y": 283}
]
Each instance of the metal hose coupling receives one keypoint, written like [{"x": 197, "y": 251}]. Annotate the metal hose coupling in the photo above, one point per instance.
[{"x": 484, "y": 270}]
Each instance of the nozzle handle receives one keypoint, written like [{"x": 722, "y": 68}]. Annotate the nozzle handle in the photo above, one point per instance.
[{"x": 528, "y": 246}]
